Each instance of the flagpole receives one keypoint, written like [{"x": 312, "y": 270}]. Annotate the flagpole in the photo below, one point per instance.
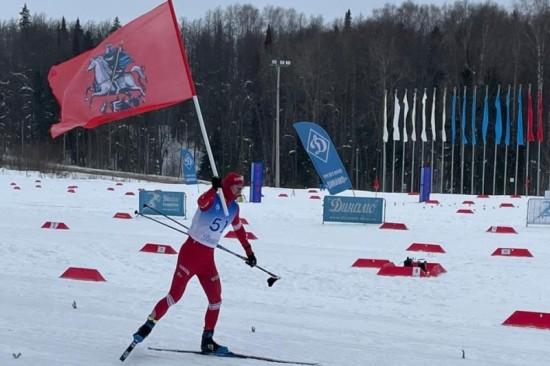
[
  {"x": 433, "y": 143},
  {"x": 484, "y": 131},
  {"x": 405, "y": 112},
  {"x": 497, "y": 142},
  {"x": 474, "y": 100},
  {"x": 411, "y": 188},
  {"x": 443, "y": 137},
  {"x": 517, "y": 141},
  {"x": 538, "y": 171},
  {"x": 393, "y": 169},
  {"x": 385, "y": 139},
  {"x": 463, "y": 140},
  {"x": 507, "y": 140},
  {"x": 462, "y": 169},
  {"x": 527, "y": 183}
]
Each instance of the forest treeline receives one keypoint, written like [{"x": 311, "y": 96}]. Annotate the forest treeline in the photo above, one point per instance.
[{"x": 337, "y": 77}]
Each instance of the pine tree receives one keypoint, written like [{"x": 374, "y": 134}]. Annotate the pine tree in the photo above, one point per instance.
[{"x": 116, "y": 26}]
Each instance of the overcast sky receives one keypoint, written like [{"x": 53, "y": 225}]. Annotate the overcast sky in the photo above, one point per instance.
[{"x": 101, "y": 10}]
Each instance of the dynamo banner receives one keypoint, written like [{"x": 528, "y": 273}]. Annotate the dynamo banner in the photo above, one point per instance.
[
  {"x": 323, "y": 154},
  {"x": 188, "y": 167}
]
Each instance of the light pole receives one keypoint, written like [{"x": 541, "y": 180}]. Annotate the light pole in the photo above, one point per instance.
[{"x": 278, "y": 64}]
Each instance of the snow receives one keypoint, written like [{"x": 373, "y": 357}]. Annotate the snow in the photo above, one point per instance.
[{"x": 321, "y": 310}]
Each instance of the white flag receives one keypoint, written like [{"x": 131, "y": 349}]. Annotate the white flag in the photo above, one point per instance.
[
  {"x": 444, "y": 117},
  {"x": 413, "y": 119},
  {"x": 385, "y": 133},
  {"x": 423, "y": 134},
  {"x": 433, "y": 118},
  {"x": 396, "y": 110},
  {"x": 405, "y": 113}
]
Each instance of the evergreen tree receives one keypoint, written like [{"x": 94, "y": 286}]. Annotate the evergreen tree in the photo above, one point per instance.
[{"x": 116, "y": 26}]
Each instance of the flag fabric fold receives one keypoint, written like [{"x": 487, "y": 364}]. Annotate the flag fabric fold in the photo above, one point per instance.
[
  {"x": 444, "y": 116},
  {"x": 474, "y": 101},
  {"x": 396, "y": 111},
  {"x": 423, "y": 133},
  {"x": 498, "y": 120},
  {"x": 485, "y": 125},
  {"x": 385, "y": 131},
  {"x": 453, "y": 117},
  {"x": 519, "y": 136},
  {"x": 463, "y": 119},
  {"x": 432, "y": 118},
  {"x": 413, "y": 118},
  {"x": 530, "y": 136},
  {"x": 507, "y": 136},
  {"x": 139, "y": 68},
  {"x": 405, "y": 114},
  {"x": 539, "y": 116}
]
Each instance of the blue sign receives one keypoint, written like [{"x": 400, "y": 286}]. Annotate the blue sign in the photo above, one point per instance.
[
  {"x": 425, "y": 183},
  {"x": 256, "y": 181},
  {"x": 188, "y": 167},
  {"x": 168, "y": 203},
  {"x": 354, "y": 209},
  {"x": 321, "y": 150}
]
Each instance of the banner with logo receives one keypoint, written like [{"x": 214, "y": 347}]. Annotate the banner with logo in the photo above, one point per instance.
[
  {"x": 188, "y": 167},
  {"x": 354, "y": 209},
  {"x": 256, "y": 181},
  {"x": 425, "y": 183},
  {"x": 169, "y": 203},
  {"x": 323, "y": 154}
]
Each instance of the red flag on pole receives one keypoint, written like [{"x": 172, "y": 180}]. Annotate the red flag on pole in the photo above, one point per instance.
[
  {"x": 539, "y": 116},
  {"x": 139, "y": 68},
  {"x": 376, "y": 184},
  {"x": 530, "y": 136}
]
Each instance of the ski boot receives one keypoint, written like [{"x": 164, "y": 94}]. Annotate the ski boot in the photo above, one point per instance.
[
  {"x": 209, "y": 346},
  {"x": 144, "y": 330}
]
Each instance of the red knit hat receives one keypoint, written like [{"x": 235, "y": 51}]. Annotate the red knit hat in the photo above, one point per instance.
[{"x": 232, "y": 179}]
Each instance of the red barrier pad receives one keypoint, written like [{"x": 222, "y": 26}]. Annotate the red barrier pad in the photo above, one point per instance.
[
  {"x": 413, "y": 193},
  {"x": 118, "y": 183},
  {"x": 504, "y": 204},
  {"x": 17, "y": 188},
  {"x": 430, "y": 248},
  {"x": 515, "y": 196},
  {"x": 38, "y": 186},
  {"x": 464, "y": 211},
  {"x": 468, "y": 203},
  {"x": 393, "y": 226},
  {"x": 38, "y": 181},
  {"x": 244, "y": 221},
  {"x": 370, "y": 263},
  {"x": 528, "y": 319},
  {"x": 512, "y": 252},
  {"x": 72, "y": 187},
  {"x": 129, "y": 194},
  {"x": 122, "y": 215},
  {"x": 482, "y": 196},
  {"x": 55, "y": 225},
  {"x": 13, "y": 184},
  {"x": 283, "y": 195},
  {"x": 83, "y": 274},
  {"x": 432, "y": 202},
  {"x": 312, "y": 191},
  {"x": 314, "y": 197},
  {"x": 71, "y": 191},
  {"x": 231, "y": 235},
  {"x": 158, "y": 248},
  {"x": 110, "y": 189},
  {"x": 502, "y": 230}
]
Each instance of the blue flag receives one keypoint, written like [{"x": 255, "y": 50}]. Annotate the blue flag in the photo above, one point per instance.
[
  {"x": 507, "y": 137},
  {"x": 498, "y": 121},
  {"x": 323, "y": 154},
  {"x": 463, "y": 119},
  {"x": 474, "y": 100},
  {"x": 520, "y": 119},
  {"x": 485, "y": 125},
  {"x": 453, "y": 117},
  {"x": 188, "y": 167}
]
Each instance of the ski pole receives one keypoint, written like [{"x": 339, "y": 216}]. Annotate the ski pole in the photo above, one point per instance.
[
  {"x": 168, "y": 217},
  {"x": 270, "y": 281}
]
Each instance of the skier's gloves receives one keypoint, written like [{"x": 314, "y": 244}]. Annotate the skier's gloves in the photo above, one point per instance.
[
  {"x": 216, "y": 182},
  {"x": 251, "y": 261}
]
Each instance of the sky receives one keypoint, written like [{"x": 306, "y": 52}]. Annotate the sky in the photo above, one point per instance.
[
  {"x": 321, "y": 310},
  {"x": 101, "y": 10}
]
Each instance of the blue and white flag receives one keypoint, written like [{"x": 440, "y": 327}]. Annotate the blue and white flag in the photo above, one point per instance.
[
  {"x": 485, "y": 125},
  {"x": 474, "y": 99},
  {"x": 463, "y": 119},
  {"x": 498, "y": 121},
  {"x": 507, "y": 137},
  {"x": 324, "y": 156},
  {"x": 188, "y": 167},
  {"x": 520, "y": 120}
]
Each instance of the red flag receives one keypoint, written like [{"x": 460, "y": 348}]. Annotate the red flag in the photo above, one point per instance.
[
  {"x": 539, "y": 116},
  {"x": 530, "y": 136},
  {"x": 139, "y": 68},
  {"x": 376, "y": 184}
]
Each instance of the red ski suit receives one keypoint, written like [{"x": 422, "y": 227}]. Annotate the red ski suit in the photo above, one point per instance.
[{"x": 196, "y": 256}]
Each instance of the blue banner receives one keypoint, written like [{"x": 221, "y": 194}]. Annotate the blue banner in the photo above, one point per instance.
[
  {"x": 188, "y": 167},
  {"x": 169, "y": 203},
  {"x": 520, "y": 119},
  {"x": 256, "y": 181},
  {"x": 425, "y": 183},
  {"x": 463, "y": 119},
  {"x": 507, "y": 137},
  {"x": 354, "y": 209},
  {"x": 323, "y": 154},
  {"x": 498, "y": 121},
  {"x": 474, "y": 100},
  {"x": 485, "y": 125}
]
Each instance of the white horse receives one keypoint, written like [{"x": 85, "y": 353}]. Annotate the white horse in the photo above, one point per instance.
[{"x": 122, "y": 84}]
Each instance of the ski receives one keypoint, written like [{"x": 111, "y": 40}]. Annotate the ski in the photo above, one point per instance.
[
  {"x": 233, "y": 355},
  {"x": 128, "y": 350}
]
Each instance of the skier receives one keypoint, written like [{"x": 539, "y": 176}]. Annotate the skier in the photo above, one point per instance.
[{"x": 196, "y": 257}]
